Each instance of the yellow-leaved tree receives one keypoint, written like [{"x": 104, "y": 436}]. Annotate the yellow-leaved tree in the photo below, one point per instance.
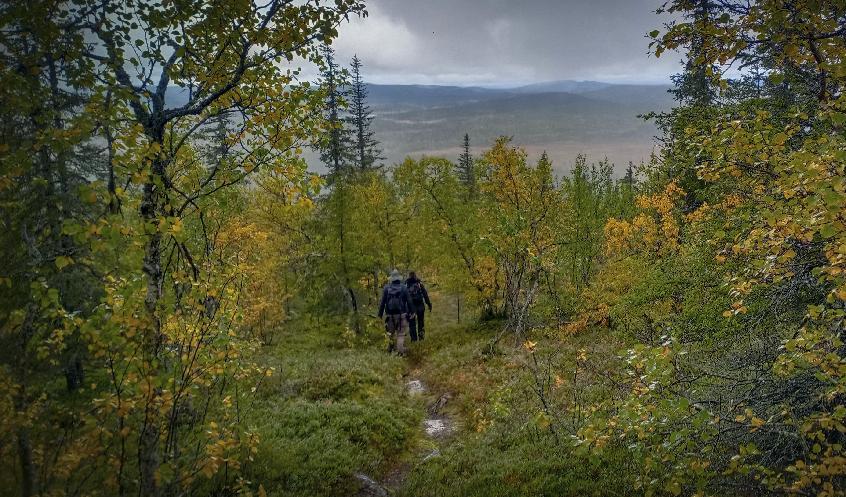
[
  {"x": 759, "y": 405},
  {"x": 175, "y": 103}
]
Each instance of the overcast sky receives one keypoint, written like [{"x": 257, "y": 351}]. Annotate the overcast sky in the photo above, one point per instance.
[{"x": 506, "y": 42}]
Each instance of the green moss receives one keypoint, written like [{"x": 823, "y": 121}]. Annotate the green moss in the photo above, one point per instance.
[
  {"x": 327, "y": 412},
  {"x": 313, "y": 448},
  {"x": 511, "y": 462}
]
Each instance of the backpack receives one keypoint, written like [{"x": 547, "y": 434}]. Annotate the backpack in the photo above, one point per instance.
[
  {"x": 415, "y": 291},
  {"x": 393, "y": 303}
]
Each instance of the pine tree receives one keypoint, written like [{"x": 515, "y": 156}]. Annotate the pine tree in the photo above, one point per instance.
[
  {"x": 335, "y": 145},
  {"x": 465, "y": 167},
  {"x": 366, "y": 152}
]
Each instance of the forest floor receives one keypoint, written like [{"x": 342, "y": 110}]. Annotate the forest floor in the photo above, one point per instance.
[
  {"x": 456, "y": 417},
  {"x": 442, "y": 421}
]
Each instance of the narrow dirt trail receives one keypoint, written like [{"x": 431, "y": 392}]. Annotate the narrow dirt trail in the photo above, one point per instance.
[{"x": 437, "y": 430}]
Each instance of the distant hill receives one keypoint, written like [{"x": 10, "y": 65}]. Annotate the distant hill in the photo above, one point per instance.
[
  {"x": 565, "y": 86},
  {"x": 394, "y": 97},
  {"x": 564, "y": 118},
  {"x": 644, "y": 97}
]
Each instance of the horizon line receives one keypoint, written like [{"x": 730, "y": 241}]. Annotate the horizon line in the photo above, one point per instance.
[{"x": 515, "y": 85}]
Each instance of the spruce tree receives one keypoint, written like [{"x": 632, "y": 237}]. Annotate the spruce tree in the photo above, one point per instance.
[
  {"x": 627, "y": 192},
  {"x": 465, "y": 167},
  {"x": 334, "y": 146},
  {"x": 694, "y": 86},
  {"x": 366, "y": 152},
  {"x": 698, "y": 97}
]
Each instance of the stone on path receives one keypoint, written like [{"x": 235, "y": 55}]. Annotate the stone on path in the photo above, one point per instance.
[
  {"x": 415, "y": 387},
  {"x": 437, "y": 427},
  {"x": 439, "y": 404},
  {"x": 430, "y": 455},
  {"x": 369, "y": 487}
]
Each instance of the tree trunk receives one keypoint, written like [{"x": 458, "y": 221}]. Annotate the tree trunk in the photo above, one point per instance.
[
  {"x": 29, "y": 484},
  {"x": 74, "y": 373},
  {"x": 29, "y": 479},
  {"x": 343, "y": 254},
  {"x": 356, "y": 317},
  {"x": 148, "y": 445}
]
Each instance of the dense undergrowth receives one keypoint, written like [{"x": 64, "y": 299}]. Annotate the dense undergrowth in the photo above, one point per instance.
[
  {"x": 334, "y": 408},
  {"x": 508, "y": 446}
]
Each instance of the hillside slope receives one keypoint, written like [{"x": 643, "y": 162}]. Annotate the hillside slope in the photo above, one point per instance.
[{"x": 600, "y": 121}]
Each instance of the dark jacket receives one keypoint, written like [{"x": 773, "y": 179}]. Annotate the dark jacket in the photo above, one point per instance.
[
  {"x": 411, "y": 281},
  {"x": 405, "y": 300}
]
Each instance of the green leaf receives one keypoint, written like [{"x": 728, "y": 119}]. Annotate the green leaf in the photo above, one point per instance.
[
  {"x": 63, "y": 261},
  {"x": 828, "y": 230}
]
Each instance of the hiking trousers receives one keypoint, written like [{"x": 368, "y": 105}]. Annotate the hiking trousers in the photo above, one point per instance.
[
  {"x": 396, "y": 326},
  {"x": 417, "y": 322}
]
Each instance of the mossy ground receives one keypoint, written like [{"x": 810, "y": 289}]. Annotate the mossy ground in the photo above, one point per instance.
[{"x": 336, "y": 407}]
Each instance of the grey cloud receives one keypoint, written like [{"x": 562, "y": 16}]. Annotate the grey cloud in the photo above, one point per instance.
[{"x": 499, "y": 42}]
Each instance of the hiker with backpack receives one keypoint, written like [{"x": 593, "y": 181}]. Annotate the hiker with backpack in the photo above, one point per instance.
[
  {"x": 396, "y": 304},
  {"x": 419, "y": 300}
]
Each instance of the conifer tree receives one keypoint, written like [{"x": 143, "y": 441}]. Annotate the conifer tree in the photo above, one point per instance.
[
  {"x": 366, "y": 152},
  {"x": 465, "y": 167},
  {"x": 697, "y": 95},
  {"x": 335, "y": 145},
  {"x": 694, "y": 86}
]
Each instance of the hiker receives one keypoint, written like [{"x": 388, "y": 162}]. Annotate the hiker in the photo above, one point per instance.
[
  {"x": 397, "y": 305},
  {"x": 419, "y": 300}
]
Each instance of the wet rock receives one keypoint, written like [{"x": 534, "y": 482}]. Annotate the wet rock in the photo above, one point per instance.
[
  {"x": 437, "y": 427},
  {"x": 430, "y": 455},
  {"x": 415, "y": 387},
  {"x": 369, "y": 487},
  {"x": 439, "y": 404}
]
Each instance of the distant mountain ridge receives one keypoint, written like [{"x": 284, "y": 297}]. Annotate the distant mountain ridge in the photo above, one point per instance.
[
  {"x": 564, "y": 118},
  {"x": 436, "y": 95},
  {"x": 563, "y": 86}
]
